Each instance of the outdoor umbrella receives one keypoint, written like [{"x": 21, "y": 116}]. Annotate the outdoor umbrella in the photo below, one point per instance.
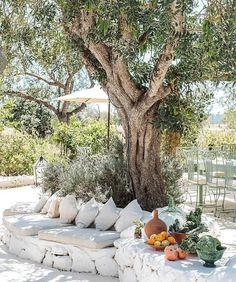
[{"x": 91, "y": 95}]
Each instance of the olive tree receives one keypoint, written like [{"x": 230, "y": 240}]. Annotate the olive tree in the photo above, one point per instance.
[{"x": 138, "y": 50}]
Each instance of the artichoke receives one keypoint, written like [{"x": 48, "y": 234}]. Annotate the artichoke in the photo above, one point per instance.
[{"x": 208, "y": 244}]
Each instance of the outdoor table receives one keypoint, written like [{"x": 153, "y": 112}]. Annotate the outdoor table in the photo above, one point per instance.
[{"x": 138, "y": 262}]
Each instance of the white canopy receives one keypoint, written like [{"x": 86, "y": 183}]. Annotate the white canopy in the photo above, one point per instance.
[{"x": 90, "y": 95}]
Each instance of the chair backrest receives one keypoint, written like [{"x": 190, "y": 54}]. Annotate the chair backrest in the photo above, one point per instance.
[
  {"x": 215, "y": 168},
  {"x": 195, "y": 164},
  {"x": 229, "y": 174}
]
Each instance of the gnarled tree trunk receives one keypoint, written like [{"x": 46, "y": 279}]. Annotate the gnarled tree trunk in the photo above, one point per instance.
[
  {"x": 135, "y": 103},
  {"x": 143, "y": 152}
]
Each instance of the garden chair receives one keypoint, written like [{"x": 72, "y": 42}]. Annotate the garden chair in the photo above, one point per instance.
[
  {"x": 230, "y": 184},
  {"x": 215, "y": 179},
  {"x": 196, "y": 177}
]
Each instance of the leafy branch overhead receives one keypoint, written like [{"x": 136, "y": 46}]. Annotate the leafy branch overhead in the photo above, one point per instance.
[{"x": 42, "y": 65}]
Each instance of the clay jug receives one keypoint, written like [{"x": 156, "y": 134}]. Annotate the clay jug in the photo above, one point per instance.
[{"x": 155, "y": 225}]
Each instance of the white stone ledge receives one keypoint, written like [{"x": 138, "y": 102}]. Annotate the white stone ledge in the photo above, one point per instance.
[
  {"x": 62, "y": 257},
  {"x": 137, "y": 262},
  {"x": 16, "y": 181}
]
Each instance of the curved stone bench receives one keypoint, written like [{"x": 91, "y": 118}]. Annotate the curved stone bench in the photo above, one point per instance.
[{"x": 62, "y": 256}]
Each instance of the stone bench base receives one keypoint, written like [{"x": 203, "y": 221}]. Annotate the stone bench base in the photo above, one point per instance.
[
  {"x": 138, "y": 262},
  {"x": 62, "y": 257}
]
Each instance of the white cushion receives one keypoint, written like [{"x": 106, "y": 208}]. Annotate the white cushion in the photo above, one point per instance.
[
  {"x": 68, "y": 209},
  {"x": 53, "y": 211},
  {"x": 41, "y": 203},
  {"x": 107, "y": 216},
  {"x": 87, "y": 214},
  {"x": 128, "y": 215},
  {"x": 82, "y": 237},
  {"x": 28, "y": 225},
  {"x": 47, "y": 205}
]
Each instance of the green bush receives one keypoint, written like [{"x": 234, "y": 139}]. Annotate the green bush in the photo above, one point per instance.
[
  {"x": 17, "y": 155},
  {"x": 20, "y": 151},
  {"x": 51, "y": 176},
  {"x": 217, "y": 138},
  {"x": 172, "y": 171},
  {"x": 100, "y": 176},
  {"x": 90, "y": 133}
]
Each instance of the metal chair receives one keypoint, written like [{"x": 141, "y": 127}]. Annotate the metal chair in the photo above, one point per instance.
[
  {"x": 230, "y": 184},
  {"x": 215, "y": 178},
  {"x": 196, "y": 177}
]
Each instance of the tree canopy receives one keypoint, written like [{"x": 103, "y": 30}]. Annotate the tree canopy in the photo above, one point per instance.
[{"x": 41, "y": 63}]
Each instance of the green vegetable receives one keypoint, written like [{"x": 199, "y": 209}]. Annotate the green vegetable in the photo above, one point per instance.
[
  {"x": 193, "y": 224},
  {"x": 189, "y": 245},
  {"x": 208, "y": 244}
]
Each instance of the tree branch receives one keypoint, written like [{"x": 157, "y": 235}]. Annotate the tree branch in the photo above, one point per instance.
[
  {"x": 69, "y": 79},
  {"x": 78, "y": 109},
  {"x": 52, "y": 83},
  {"x": 126, "y": 79},
  {"x": 33, "y": 99},
  {"x": 148, "y": 101}
]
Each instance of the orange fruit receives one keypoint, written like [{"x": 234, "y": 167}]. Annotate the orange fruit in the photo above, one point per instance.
[
  {"x": 153, "y": 237},
  {"x": 160, "y": 237},
  {"x": 171, "y": 240},
  {"x": 150, "y": 241},
  {"x": 164, "y": 234},
  {"x": 165, "y": 243},
  {"x": 157, "y": 244}
]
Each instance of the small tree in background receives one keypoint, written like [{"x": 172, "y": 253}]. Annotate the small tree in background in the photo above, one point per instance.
[
  {"x": 29, "y": 117},
  {"x": 40, "y": 66}
]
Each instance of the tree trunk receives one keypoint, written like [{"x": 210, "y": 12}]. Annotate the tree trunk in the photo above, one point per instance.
[{"x": 143, "y": 152}]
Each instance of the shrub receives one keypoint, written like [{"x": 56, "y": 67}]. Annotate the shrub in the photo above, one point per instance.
[
  {"x": 17, "y": 154},
  {"x": 90, "y": 133},
  {"x": 51, "y": 176},
  {"x": 100, "y": 176},
  {"x": 172, "y": 171},
  {"x": 217, "y": 138},
  {"x": 81, "y": 178},
  {"x": 20, "y": 151},
  {"x": 114, "y": 177}
]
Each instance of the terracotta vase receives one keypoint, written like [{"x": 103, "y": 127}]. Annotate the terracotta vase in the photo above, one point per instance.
[{"x": 155, "y": 225}]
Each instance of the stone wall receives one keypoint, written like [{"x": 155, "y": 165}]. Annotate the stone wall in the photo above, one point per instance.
[{"x": 62, "y": 257}]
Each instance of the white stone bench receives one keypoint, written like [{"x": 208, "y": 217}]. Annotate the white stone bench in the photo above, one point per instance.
[
  {"x": 63, "y": 246},
  {"x": 137, "y": 262},
  {"x": 62, "y": 256}
]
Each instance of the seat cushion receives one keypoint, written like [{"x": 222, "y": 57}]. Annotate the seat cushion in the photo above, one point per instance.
[
  {"x": 29, "y": 225},
  {"x": 82, "y": 237}
]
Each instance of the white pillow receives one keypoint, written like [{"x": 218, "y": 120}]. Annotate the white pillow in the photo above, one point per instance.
[
  {"x": 41, "y": 203},
  {"x": 68, "y": 209},
  {"x": 128, "y": 215},
  {"x": 54, "y": 208},
  {"x": 87, "y": 214},
  {"x": 107, "y": 216},
  {"x": 47, "y": 205}
]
